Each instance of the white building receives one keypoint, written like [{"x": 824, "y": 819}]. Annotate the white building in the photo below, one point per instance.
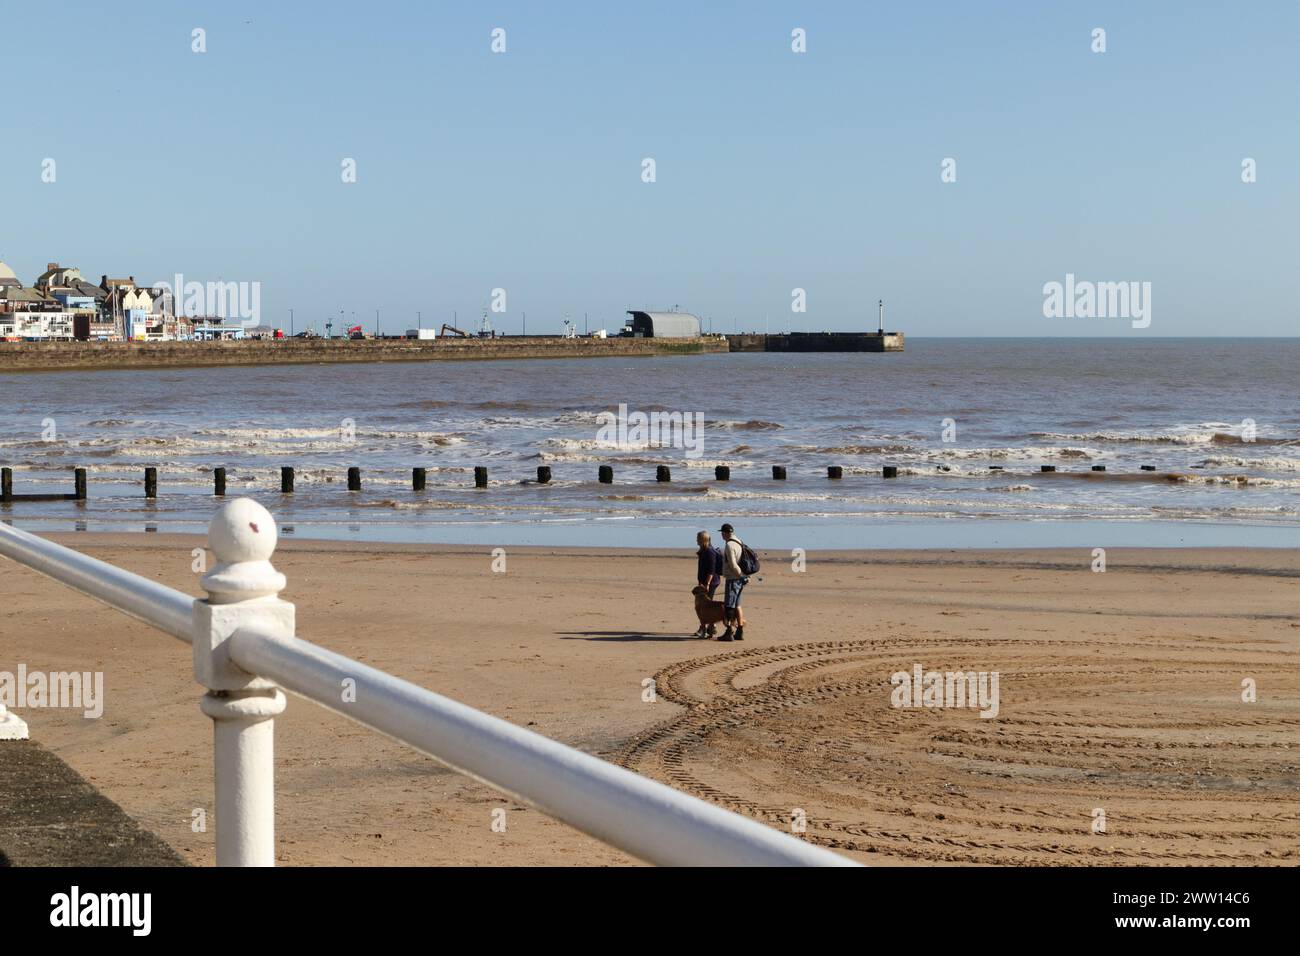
[{"x": 55, "y": 326}]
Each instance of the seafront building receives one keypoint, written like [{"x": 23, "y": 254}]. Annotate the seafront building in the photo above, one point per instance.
[
  {"x": 213, "y": 328},
  {"x": 30, "y": 313},
  {"x": 62, "y": 305},
  {"x": 661, "y": 325}
]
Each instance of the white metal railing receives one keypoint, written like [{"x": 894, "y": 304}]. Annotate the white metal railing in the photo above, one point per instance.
[{"x": 245, "y": 651}]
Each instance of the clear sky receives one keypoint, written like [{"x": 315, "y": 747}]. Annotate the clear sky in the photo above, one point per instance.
[{"x": 775, "y": 170}]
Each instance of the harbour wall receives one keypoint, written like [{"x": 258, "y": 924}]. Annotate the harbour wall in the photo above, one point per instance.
[
  {"x": 69, "y": 356},
  {"x": 817, "y": 342}
]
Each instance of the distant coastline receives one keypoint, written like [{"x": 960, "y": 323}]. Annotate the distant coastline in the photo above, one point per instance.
[{"x": 86, "y": 356}]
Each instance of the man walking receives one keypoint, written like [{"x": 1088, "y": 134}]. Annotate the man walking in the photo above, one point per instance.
[{"x": 733, "y": 617}]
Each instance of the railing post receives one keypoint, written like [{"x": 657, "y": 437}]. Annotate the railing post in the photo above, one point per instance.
[{"x": 243, "y": 591}]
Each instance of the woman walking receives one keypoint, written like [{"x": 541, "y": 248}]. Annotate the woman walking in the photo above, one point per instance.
[{"x": 708, "y": 573}]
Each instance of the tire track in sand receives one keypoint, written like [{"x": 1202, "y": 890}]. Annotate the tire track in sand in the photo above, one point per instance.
[{"x": 1151, "y": 730}]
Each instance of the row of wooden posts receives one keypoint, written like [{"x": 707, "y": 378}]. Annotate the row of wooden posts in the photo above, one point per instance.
[{"x": 605, "y": 475}]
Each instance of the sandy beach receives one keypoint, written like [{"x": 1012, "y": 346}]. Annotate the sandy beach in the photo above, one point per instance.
[{"x": 1120, "y": 699}]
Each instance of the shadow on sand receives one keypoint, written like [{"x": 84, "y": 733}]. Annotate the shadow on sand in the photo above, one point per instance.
[{"x": 624, "y": 636}]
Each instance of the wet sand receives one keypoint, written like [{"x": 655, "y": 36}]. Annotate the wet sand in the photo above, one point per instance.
[{"x": 1120, "y": 699}]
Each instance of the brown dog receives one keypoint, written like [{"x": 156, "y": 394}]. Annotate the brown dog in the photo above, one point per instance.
[{"x": 709, "y": 612}]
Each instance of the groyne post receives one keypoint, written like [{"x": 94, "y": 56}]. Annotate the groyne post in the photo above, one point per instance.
[
  {"x": 834, "y": 472},
  {"x": 79, "y": 484},
  {"x": 6, "y": 483},
  {"x": 354, "y": 478},
  {"x": 543, "y": 474},
  {"x": 286, "y": 480},
  {"x": 480, "y": 476},
  {"x": 151, "y": 482},
  {"x": 889, "y": 471},
  {"x": 722, "y": 473},
  {"x": 219, "y": 482},
  {"x": 418, "y": 476},
  {"x": 778, "y": 472},
  {"x": 606, "y": 474},
  {"x": 662, "y": 473}
]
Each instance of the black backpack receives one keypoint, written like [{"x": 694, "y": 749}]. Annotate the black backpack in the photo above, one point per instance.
[{"x": 748, "y": 560}]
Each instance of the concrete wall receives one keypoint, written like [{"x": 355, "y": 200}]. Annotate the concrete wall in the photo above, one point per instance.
[
  {"x": 54, "y": 356},
  {"x": 747, "y": 342},
  {"x": 817, "y": 342}
]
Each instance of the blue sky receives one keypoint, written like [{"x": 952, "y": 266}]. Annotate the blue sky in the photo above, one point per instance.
[{"x": 775, "y": 170}]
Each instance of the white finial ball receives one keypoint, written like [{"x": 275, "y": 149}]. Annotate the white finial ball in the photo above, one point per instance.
[{"x": 242, "y": 530}]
